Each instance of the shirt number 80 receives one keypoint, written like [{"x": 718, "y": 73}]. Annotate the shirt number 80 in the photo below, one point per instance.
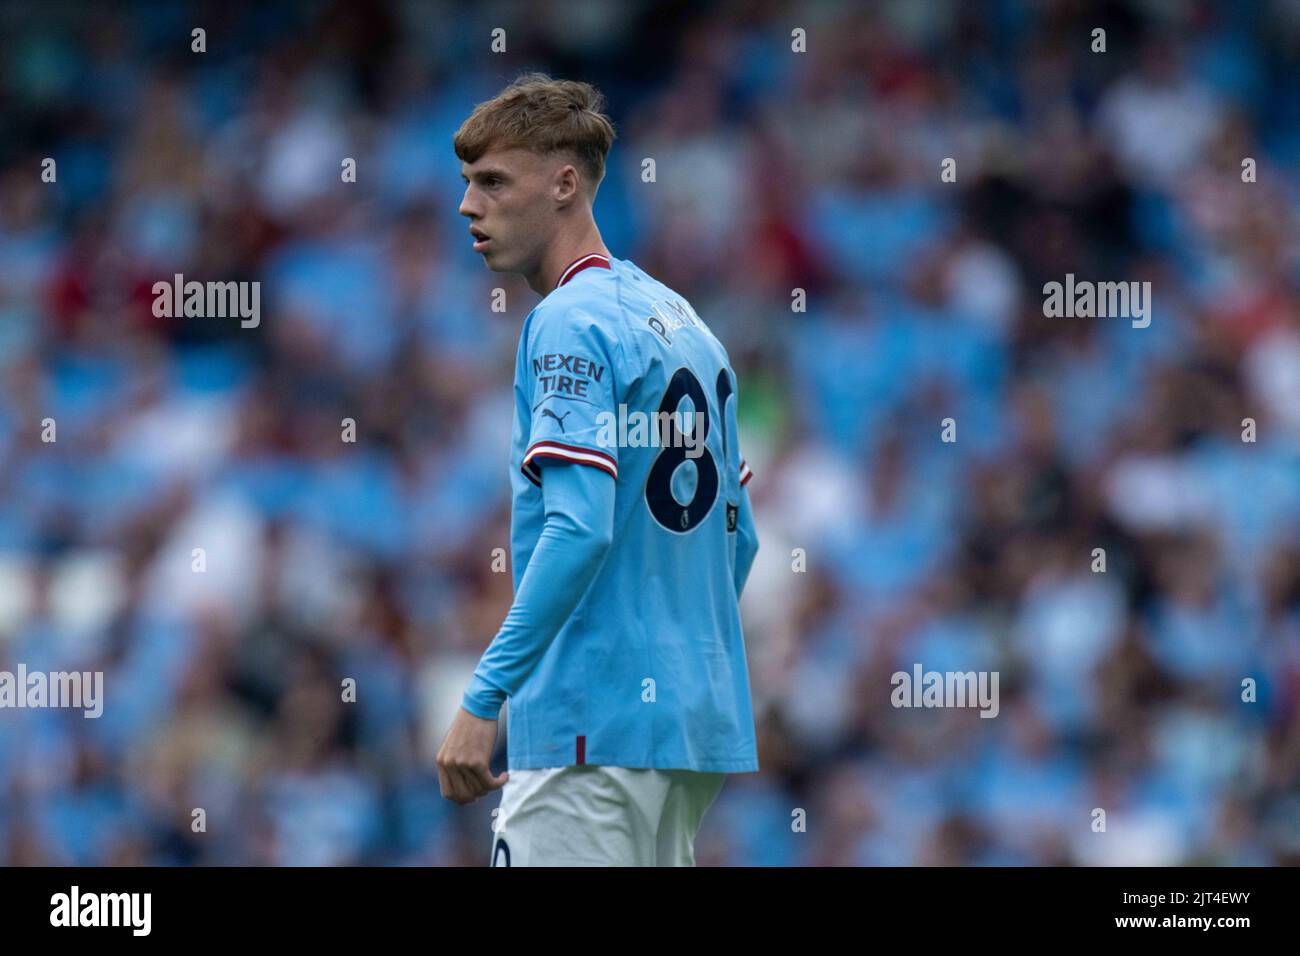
[{"x": 671, "y": 514}]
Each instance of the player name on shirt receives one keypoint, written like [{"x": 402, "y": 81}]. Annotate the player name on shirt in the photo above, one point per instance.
[{"x": 669, "y": 316}]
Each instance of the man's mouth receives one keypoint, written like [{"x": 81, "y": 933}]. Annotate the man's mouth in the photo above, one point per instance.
[{"x": 481, "y": 239}]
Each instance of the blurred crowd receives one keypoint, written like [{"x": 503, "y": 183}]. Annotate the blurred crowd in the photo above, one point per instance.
[{"x": 202, "y": 531}]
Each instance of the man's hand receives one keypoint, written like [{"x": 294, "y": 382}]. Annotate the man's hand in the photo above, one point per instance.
[{"x": 463, "y": 773}]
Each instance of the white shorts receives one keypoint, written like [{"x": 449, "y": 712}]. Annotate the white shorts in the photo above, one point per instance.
[{"x": 587, "y": 815}]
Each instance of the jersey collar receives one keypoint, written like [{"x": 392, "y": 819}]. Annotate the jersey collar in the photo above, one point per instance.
[{"x": 592, "y": 260}]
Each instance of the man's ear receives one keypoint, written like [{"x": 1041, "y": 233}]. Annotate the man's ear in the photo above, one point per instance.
[{"x": 568, "y": 184}]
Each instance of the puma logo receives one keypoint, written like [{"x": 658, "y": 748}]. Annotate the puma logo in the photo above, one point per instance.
[{"x": 558, "y": 418}]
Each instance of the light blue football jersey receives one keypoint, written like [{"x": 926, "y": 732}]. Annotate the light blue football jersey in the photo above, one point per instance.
[{"x": 650, "y": 669}]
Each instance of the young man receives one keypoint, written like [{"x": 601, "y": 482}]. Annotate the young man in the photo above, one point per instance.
[{"x": 622, "y": 657}]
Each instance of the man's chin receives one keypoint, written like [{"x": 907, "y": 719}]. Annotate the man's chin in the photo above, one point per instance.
[{"x": 502, "y": 268}]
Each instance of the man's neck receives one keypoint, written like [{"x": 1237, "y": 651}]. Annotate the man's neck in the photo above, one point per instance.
[{"x": 560, "y": 254}]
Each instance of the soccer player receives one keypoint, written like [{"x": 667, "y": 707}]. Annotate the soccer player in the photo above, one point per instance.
[{"x": 621, "y": 661}]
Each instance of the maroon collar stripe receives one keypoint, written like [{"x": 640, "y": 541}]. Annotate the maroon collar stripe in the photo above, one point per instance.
[{"x": 591, "y": 260}]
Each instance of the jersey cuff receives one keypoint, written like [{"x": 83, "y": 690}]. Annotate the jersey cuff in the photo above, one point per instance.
[
  {"x": 745, "y": 473},
  {"x": 482, "y": 699},
  {"x": 546, "y": 448}
]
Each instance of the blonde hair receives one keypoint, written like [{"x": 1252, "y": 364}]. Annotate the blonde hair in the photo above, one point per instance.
[{"x": 543, "y": 115}]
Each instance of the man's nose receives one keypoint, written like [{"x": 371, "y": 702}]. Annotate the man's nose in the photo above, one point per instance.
[{"x": 467, "y": 205}]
